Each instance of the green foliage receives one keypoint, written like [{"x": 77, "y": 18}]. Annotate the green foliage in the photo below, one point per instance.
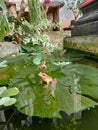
[
  {"x": 75, "y": 89},
  {"x": 30, "y": 48},
  {"x": 8, "y": 92},
  {"x": 3, "y": 6},
  {"x": 61, "y": 63},
  {"x": 4, "y": 26},
  {"x": 87, "y": 79},
  {"x": 37, "y": 60},
  {"x": 33, "y": 32},
  {"x": 3, "y": 64},
  {"x": 36, "y": 12},
  {"x": 6, "y": 98},
  {"x": 4, "y": 23},
  {"x": 74, "y": 2},
  {"x": 55, "y": 25},
  {"x": 27, "y": 33}
]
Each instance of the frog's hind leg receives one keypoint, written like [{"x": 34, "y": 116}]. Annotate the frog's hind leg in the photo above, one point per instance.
[{"x": 46, "y": 86}]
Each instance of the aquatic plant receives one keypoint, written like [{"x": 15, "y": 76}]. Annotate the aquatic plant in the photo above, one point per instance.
[
  {"x": 47, "y": 84},
  {"x": 3, "y": 64},
  {"x": 75, "y": 90},
  {"x": 6, "y": 96}
]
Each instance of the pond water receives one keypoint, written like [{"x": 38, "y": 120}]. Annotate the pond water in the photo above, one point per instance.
[{"x": 12, "y": 119}]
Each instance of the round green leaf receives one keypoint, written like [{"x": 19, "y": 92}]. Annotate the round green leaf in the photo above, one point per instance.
[
  {"x": 10, "y": 92},
  {"x": 37, "y": 59},
  {"x": 2, "y": 89},
  {"x": 7, "y": 101}
]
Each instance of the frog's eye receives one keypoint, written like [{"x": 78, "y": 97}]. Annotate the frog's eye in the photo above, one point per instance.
[{"x": 43, "y": 74}]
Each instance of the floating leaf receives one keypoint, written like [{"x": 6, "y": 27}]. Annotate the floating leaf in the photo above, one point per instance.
[
  {"x": 2, "y": 89},
  {"x": 36, "y": 100},
  {"x": 61, "y": 63},
  {"x": 7, "y": 101},
  {"x": 88, "y": 78},
  {"x": 10, "y": 92},
  {"x": 76, "y": 88},
  {"x": 3, "y": 64},
  {"x": 37, "y": 60},
  {"x": 5, "y": 94}
]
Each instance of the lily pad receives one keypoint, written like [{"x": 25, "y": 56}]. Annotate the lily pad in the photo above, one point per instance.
[
  {"x": 88, "y": 79},
  {"x": 36, "y": 100},
  {"x": 75, "y": 90},
  {"x": 2, "y": 89},
  {"x": 37, "y": 59},
  {"x": 3, "y": 64},
  {"x": 61, "y": 63},
  {"x": 7, "y": 101},
  {"x": 9, "y": 92}
]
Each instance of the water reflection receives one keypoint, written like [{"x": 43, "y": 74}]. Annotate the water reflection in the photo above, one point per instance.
[
  {"x": 89, "y": 120},
  {"x": 13, "y": 120}
]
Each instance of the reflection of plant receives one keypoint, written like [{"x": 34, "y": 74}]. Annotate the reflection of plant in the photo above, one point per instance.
[
  {"x": 4, "y": 24},
  {"x": 6, "y": 96}
]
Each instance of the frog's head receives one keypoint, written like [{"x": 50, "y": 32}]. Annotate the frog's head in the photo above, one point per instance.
[{"x": 41, "y": 74}]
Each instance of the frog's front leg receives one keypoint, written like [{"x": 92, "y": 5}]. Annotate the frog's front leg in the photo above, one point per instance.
[{"x": 47, "y": 85}]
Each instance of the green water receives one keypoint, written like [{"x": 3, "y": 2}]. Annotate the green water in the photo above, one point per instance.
[{"x": 12, "y": 119}]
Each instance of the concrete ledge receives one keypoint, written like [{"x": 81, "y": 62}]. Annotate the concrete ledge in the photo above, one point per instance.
[
  {"x": 8, "y": 48},
  {"x": 87, "y": 44}
]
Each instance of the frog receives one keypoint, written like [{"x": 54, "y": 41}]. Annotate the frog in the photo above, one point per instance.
[
  {"x": 49, "y": 82},
  {"x": 47, "y": 79}
]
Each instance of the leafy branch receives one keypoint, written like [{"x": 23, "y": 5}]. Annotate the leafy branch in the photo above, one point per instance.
[{"x": 4, "y": 23}]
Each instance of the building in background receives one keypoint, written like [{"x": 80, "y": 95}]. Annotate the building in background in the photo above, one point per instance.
[{"x": 65, "y": 15}]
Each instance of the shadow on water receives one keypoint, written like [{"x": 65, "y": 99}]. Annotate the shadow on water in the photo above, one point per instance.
[{"x": 13, "y": 120}]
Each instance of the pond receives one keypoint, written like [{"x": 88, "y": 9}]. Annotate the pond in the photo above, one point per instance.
[
  {"x": 72, "y": 105},
  {"x": 13, "y": 120}
]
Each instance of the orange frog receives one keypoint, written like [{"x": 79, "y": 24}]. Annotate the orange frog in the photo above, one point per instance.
[{"x": 47, "y": 79}]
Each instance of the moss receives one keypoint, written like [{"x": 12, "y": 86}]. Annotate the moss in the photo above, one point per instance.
[
  {"x": 87, "y": 44},
  {"x": 7, "y": 73}
]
